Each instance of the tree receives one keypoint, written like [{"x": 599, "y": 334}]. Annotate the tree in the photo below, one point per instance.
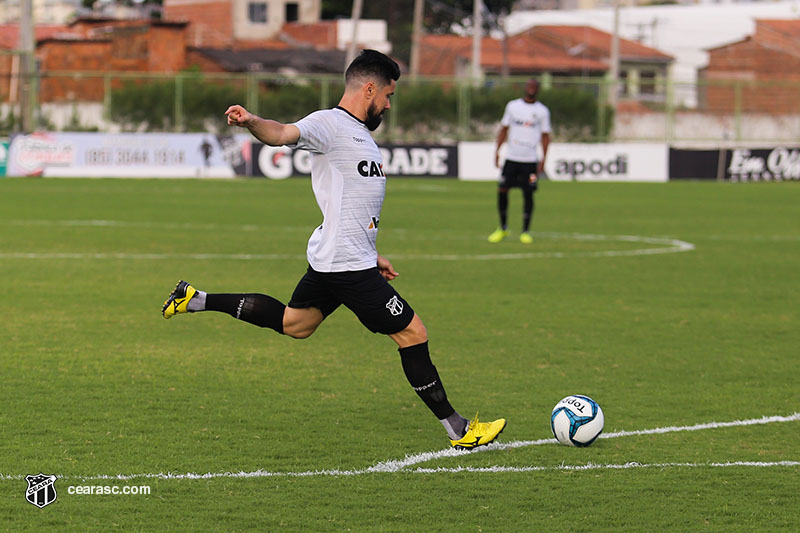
[{"x": 443, "y": 16}]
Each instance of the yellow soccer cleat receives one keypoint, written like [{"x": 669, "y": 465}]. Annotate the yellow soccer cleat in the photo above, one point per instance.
[
  {"x": 178, "y": 299},
  {"x": 479, "y": 434},
  {"x": 498, "y": 235},
  {"x": 526, "y": 238}
]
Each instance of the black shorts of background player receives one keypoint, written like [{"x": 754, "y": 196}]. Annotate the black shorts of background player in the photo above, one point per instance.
[{"x": 524, "y": 176}]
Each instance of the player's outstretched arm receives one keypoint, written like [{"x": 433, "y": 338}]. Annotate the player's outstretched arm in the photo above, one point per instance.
[{"x": 267, "y": 131}]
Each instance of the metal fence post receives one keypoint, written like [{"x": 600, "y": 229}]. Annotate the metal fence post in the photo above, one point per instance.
[
  {"x": 324, "y": 93},
  {"x": 251, "y": 87},
  {"x": 737, "y": 109},
  {"x": 463, "y": 110},
  {"x": 669, "y": 111},
  {"x": 107, "y": 97},
  {"x": 546, "y": 80},
  {"x": 178, "y": 126},
  {"x": 601, "y": 108}
]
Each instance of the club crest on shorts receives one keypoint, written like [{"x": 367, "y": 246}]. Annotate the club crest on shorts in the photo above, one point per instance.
[
  {"x": 394, "y": 305},
  {"x": 41, "y": 489}
]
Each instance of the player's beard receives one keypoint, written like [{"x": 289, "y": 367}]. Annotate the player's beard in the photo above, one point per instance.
[{"x": 374, "y": 118}]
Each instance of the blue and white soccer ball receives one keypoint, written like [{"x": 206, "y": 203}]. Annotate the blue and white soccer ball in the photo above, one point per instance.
[{"x": 577, "y": 420}]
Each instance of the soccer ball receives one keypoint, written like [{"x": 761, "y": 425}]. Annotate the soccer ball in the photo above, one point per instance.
[{"x": 577, "y": 420}]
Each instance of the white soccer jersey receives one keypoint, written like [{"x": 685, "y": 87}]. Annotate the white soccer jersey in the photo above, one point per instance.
[
  {"x": 349, "y": 185},
  {"x": 526, "y": 124}
]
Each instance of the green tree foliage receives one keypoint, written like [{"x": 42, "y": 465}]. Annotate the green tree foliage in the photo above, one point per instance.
[
  {"x": 151, "y": 105},
  {"x": 442, "y": 15},
  {"x": 423, "y": 111}
]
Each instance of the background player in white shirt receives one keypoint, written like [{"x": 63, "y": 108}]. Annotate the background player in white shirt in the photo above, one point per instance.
[
  {"x": 525, "y": 125},
  {"x": 344, "y": 264}
]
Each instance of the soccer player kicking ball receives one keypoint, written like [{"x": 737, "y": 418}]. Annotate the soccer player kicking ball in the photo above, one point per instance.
[{"x": 344, "y": 265}]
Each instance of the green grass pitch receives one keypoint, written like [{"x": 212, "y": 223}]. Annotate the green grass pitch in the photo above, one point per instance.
[{"x": 95, "y": 382}]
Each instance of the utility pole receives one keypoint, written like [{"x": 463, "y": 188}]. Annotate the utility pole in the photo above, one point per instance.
[
  {"x": 477, "y": 31},
  {"x": 614, "y": 70},
  {"x": 26, "y": 65},
  {"x": 505, "y": 69},
  {"x": 355, "y": 17},
  {"x": 416, "y": 37}
]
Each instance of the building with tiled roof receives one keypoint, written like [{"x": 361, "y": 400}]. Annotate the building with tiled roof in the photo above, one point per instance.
[
  {"x": 93, "y": 44},
  {"x": 564, "y": 51},
  {"x": 221, "y": 23},
  {"x": 451, "y": 55},
  {"x": 761, "y": 64}
]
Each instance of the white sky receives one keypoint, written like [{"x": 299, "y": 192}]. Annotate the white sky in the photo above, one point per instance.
[{"x": 684, "y": 32}]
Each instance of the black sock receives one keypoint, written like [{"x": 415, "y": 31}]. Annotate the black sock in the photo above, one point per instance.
[
  {"x": 258, "y": 309},
  {"x": 502, "y": 208},
  {"x": 423, "y": 377},
  {"x": 527, "y": 213}
]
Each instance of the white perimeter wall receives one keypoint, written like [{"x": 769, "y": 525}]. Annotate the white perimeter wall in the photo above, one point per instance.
[{"x": 639, "y": 162}]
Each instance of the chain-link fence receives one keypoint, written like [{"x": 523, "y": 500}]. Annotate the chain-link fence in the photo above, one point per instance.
[{"x": 425, "y": 109}]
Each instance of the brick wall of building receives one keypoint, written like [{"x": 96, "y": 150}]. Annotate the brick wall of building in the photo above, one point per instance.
[
  {"x": 768, "y": 79},
  {"x": 211, "y": 23},
  {"x": 167, "y": 49},
  {"x": 56, "y": 55}
]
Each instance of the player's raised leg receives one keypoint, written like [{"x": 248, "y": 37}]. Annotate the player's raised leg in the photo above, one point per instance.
[{"x": 257, "y": 309}]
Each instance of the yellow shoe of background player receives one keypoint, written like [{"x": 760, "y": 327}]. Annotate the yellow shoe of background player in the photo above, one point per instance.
[
  {"x": 479, "y": 434},
  {"x": 178, "y": 299},
  {"x": 526, "y": 238},
  {"x": 498, "y": 235}
]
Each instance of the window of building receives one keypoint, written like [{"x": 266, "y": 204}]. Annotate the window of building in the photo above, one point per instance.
[
  {"x": 292, "y": 12},
  {"x": 647, "y": 83},
  {"x": 257, "y": 12},
  {"x": 622, "y": 87}
]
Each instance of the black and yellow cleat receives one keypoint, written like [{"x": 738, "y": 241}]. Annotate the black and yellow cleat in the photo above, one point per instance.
[
  {"x": 178, "y": 300},
  {"x": 479, "y": 434}
]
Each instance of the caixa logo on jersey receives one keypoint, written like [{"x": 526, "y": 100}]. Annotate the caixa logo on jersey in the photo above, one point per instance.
[
  {"x": 280, "y": 162},
  {"x": 370, "y": 169}
]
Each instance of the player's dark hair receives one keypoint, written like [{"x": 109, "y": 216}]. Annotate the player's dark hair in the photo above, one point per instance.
[{"x": 375, "y": 65}]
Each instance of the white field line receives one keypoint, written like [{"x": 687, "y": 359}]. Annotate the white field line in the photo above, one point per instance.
[
  {"x": 411, "y": 460},
  {"x": 208, "y": 226},
  {"x": 593, "y": 466},
  {"x": 660, "y": 245}
]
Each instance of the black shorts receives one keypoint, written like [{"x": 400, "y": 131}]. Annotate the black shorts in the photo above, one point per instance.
[
  {"x": 522, "y": 175},
  {"x": 365, "y": 292}
]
